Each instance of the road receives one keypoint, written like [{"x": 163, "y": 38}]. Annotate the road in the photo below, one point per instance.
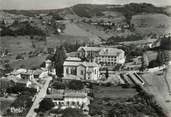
[
  {"x": 159, "y": 86},
  {"x": 168, "y": 78},
  {"x": 41, "y": 94}
]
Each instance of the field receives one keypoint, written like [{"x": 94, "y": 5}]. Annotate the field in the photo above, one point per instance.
[
  {"x": 152, "y": 23},
  {"x": 5, "y": 104},
  {"x": 113, "y": 92},
  {"x": 23, "y": 44}
]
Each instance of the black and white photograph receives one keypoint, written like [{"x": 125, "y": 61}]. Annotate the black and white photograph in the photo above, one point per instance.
[{"x": 85, "y": 58}]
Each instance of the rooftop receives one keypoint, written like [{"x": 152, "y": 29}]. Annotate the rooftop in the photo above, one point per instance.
[
  {"x": 55, "y": 96},
  {"x": 37, "y": 72},
  {"x": 72, "y": 63},
  {"x": 89, "y": 48},
  {"x": 67, "y": 94},
  {"x": 110, "y": 51},
  {"x": 22, "y": 81},
  {"x": 73, "y": 59},
  {"x": 90, "y": 64}
]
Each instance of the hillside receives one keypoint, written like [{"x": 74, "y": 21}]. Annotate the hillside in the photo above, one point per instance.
[
  {"x": 91, "y": 10},
  {"x": 168, "y": 10}
]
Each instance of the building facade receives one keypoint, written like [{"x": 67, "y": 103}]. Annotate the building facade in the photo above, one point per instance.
[
  {"x": 110, "y": 57},
  {"x": 74, "y": 67},
  {"x": 88, "y": 52},
  {"x": 102, "y": 55},
  {"x": 70, "y": 99}
]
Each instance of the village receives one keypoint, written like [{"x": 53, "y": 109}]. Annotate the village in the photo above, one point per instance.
[
  {"x": 83, "y": 61},
  {"x": 68, "y": 81}
]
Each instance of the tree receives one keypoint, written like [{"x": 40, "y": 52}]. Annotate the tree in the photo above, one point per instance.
[
  {"x": 45, "y": 105},
  {"x": 76, "y": 85},
  {"x": 19, "y": 57},
  {"x": 22, "y": 101},
  {"x": 107, "y": 73},
  {"x": 58, "y": 85},
  {"x": 165, "y": 43},
  {"x": 20, "y": 89},
  {"x": 72, "y": 112},
  {"x": 153, "y": 64},
  {"x": 59, "y": 58},
  {"x": 43, "y": 64},
  {"x": 144, "y": 62},
  {"x": 8, "y": 68},
  {"x": 162, "y": 57}
]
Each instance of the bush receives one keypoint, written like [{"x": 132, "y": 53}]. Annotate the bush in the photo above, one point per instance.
[
  {"x": 21, "y": 101},
  {"x": 19, "y": 89},
  {"x": 45, "y": 105},
  {"x": 153, "y": 64},
  {"x": 19, "y": 57},
  {"x": 58, "y": 85},
  {"x": 76, "y": 85},
  {"x": 71, "y": 112},
  {"x": 114, "y": 40},
  {"x": 22, "y": 29}
]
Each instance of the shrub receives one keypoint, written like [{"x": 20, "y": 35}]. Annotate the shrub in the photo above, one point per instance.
[
  {"x": 45, "y": 105},
  {"x": 59, "y": 85},
  {"x": 76, "y": 85}
]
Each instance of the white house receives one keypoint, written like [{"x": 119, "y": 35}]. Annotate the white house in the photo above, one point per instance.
[
  {"x": 70, "y": 99},
  {"x": 74, "y": 67},
  {"x": 110, "y": 56},
  {"x": 102, "y": 55},
  {"x": 88, "y": 52}
]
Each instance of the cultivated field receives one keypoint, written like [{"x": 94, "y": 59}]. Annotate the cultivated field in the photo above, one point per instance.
[
  {"x": 152, "y": 23},
  {"x": 113, "y": 92}
]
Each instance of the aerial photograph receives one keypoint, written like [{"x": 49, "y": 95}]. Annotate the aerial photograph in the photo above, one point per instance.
[{"x": 85, "y": 58}]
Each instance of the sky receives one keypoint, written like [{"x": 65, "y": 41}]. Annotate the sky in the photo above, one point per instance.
[{"x": 56, "y": 4}]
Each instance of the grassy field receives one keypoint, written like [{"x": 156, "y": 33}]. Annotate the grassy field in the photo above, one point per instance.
[
  {"x": 152, "y": 23},
  {"x": 23, "y": 44},
  {"x": 113, "y": 92},
  {"x": 4, "y": 105}
]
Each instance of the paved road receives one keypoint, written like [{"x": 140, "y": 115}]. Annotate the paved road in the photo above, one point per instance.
[
  {"x": 39, "y": 97},
  {"x": 168, "y": 80},
  {"x": 159, "y": 86}
]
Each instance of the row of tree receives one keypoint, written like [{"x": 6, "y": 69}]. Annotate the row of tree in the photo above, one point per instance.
[
  {"x": 114, "y": 40},
  {"x": 47, "y": 104},
  {"x": 73, "y": 85},
  {"x": 21, "y": 29}
]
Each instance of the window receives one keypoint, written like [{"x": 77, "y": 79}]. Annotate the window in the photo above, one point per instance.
[
  {"x": 67, "y": 71},
  {"x": 67, "y": 102},
  {"x": 82, "y": 72},
  {"x": 73, "y": 103},
  {"x": 74, "y": 70}
]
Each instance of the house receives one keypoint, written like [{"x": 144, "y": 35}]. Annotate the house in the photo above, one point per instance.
[
  {"x": 74, "y": 67},
  {"x": 22, "y": 82},
  {"x": 23, "y": 73},
  {"x": 50, "y": 67},
  {"x": 88, "y": 52},
  {"x": 105, "y": 56},
  {"x": 37, "y": 73},
  {"x": 4, "y": 84},
  {"x": 70, "y": 99},
  {"x": 27, "y": 74},
  {"x": 110, "y": 57}
]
